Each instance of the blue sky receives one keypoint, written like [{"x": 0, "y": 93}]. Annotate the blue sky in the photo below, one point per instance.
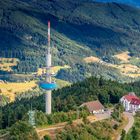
[{"x": 135, "y": 3}]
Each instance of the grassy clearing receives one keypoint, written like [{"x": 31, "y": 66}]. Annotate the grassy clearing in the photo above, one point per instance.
[
  {"x": 124, "y": 57},
  {"x": 6, "y": 64},
  {"x": 62, "y": 83},
  {"x": 126, "y": 68},
  {"x": 55, "y": 69},
  {"x": 91, "y": 59},
  {"x": 10, "y": 90}
]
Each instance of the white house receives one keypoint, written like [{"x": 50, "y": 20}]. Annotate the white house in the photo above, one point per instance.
[
  {"x": 135, "y": 105},
  {"x": 94, "y": 107},
  {"x": 131, "y": 102}
]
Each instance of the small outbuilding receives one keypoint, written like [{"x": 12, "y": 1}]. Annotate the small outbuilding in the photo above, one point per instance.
[{"x": 94, "y": 107}]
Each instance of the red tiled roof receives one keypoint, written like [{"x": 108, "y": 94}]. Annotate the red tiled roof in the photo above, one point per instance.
[
  {"x": 130, "y": 97},
  {"x": 93, "y": 105},
  {"x": 135, "y": 101}
]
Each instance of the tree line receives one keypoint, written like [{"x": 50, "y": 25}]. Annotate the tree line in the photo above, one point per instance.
[{"x": 68, "y": 98}]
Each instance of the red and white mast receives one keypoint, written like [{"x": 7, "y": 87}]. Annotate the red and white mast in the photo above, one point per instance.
[{"x": 48, "y": 95}]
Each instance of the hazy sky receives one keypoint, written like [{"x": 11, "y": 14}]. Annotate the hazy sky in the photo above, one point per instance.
[{"x": 130, "y": 2}]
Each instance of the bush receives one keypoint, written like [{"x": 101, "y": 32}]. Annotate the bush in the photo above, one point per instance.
[
  {"x": 115, "y": 126},
  {"x": 47, "y": 137},
  {"x": 22, "y": 131}
]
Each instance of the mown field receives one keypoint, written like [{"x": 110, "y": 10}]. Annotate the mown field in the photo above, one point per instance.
[
  {"x": 6, "y": 64},
  {"x": 13, "y": 89},
  {"x": 127, "y": 65}
]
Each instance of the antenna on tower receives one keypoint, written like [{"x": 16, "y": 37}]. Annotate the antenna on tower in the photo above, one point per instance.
[{"x": 49, "y": 37}]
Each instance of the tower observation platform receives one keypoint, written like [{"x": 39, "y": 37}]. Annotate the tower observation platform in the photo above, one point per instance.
[{"x": 48, "y": 84}]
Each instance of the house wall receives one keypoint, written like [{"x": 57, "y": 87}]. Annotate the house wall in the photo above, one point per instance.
[
  {"x": 125, "y": 103},
  {"x": 129, "y": 107},
  {"x": 134, "y": 107},
  {"x": 98, "y": 111}
]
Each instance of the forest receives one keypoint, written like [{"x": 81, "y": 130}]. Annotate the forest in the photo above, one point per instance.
[
  {"x": 67, "y": 98},
  {"x": 23, "y": 35}
]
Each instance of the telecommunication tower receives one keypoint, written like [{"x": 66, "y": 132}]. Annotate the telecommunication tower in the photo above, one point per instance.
[{"x": 48, "y": 84}]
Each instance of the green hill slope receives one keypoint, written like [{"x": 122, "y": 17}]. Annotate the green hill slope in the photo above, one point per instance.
[
  {"x": 79, "y": 29},
  {"x": 68, "y": 98}
]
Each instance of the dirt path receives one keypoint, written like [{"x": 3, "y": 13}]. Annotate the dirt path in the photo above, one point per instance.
[
  {"x": 51, "y": 130},
  {"x": 4, "y": 136},
  {"x": 130, "y": 123}
]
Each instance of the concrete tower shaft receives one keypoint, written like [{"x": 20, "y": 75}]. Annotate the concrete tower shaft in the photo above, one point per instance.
[
  {"x": 48, "y": 99},
  {"x": 48, "y": 95},
  {"x": 48, "y": 84}
]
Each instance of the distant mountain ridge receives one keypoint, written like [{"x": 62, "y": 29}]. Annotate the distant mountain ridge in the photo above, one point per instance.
[
  {"x": 80, "y": 29},
  {"x": 135, "y": 3}
]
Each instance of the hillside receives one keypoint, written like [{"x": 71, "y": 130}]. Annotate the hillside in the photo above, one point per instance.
[
  {"x": 127, "y": 2},
  {"x": 80, "y": 29},
  {"x": 67, "y": 98},
  {"x": 127, "y": 65}
]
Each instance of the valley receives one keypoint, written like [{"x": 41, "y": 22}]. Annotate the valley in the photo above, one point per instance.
[{"x": 69, "y": 70}]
